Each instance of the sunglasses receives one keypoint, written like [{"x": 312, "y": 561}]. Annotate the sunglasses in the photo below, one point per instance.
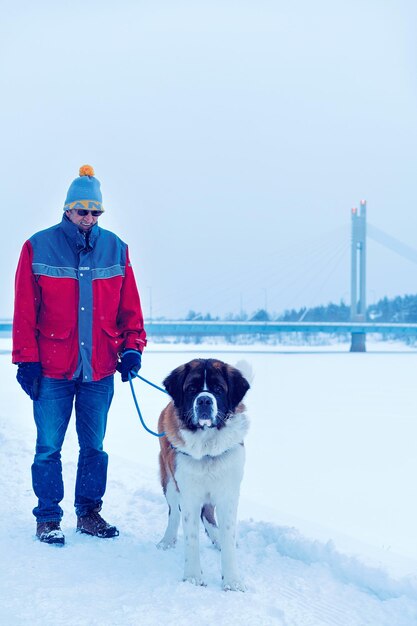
[{"x": 84, "y": 212}]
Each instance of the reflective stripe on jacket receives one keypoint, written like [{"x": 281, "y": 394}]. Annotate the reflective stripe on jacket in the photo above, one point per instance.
[{"x": 75, "y": 300}]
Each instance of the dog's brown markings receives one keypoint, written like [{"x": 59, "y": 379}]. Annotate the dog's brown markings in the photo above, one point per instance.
[{"x": 168, "y": 423}]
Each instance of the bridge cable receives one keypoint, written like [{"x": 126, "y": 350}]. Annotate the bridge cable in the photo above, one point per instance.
[{"x": 393, "y": 244}]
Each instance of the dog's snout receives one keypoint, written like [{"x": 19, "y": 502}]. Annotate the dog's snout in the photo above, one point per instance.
[
  {"x": 204, "y": 402},
  {"x": 205, "y": 409}
]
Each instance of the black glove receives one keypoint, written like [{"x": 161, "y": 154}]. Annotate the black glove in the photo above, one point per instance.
[
  {"x": 29, "y": 377},
  {"x": 131, "y": 362}
]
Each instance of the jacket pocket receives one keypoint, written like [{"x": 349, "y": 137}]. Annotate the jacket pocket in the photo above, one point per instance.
[
  {"x": 56, "y": 348},
  {"x": 110, "y": 345}
]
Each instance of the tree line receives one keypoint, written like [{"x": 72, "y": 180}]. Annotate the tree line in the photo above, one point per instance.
[{"x": 399, "y": 309}]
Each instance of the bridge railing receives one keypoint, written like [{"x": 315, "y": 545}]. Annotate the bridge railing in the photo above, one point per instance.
[{"x": 270, "y": 328}]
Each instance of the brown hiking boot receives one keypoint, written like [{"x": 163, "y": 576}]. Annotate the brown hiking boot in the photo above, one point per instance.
[
  {"x": 50, "y": 532},
  {"x": 93, "y": 524}
]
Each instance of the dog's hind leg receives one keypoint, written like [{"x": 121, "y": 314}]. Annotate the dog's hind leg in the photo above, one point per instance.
[
  {"x": 173, "y": 498},
  {"x": 210, "y": 524}
]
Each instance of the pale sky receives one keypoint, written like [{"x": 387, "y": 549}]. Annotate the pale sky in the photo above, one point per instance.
[{"x": 231, "y": 139}]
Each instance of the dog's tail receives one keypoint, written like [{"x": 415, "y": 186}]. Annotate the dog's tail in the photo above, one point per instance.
[{"x": 246, "y": 369}]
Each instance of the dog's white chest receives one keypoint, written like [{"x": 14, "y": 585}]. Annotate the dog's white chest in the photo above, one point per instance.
[{"x": 210, "y": 477}]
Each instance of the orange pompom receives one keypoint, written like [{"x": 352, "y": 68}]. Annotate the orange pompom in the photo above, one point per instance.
[{"x": 86, "y": 170}]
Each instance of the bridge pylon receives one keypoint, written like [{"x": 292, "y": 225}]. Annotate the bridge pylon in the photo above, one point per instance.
[{"x": 358, "y": 276}]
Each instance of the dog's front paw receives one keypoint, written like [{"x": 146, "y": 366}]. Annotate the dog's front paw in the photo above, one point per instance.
[
  {"x": 195, "y": 580},
  {"x": 165, "y": 544},
  {"x": 233, "y": 585}
]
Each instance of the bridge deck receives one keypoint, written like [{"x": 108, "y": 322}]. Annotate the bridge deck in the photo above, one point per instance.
[{"x": 268, "y": 328}]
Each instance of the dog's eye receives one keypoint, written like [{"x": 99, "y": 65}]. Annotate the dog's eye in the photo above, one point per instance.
[
  {"x": 217, "y": 389},
  {"x": 191, "y": 389}
]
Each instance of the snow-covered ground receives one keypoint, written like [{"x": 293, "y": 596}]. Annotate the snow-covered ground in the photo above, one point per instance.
[{"x": 328, "y": 514}]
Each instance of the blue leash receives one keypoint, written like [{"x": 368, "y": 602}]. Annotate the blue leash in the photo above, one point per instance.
[{"x": 136, "y": 402}]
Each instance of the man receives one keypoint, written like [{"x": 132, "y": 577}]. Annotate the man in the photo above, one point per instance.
[{"x": 77, "y": 308}]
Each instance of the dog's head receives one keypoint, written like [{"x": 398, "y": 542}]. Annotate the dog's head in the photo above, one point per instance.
[{"x": 206, "y": 392}]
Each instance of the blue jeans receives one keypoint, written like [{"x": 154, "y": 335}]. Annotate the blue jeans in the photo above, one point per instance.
[{"x": 52, "y": 413}]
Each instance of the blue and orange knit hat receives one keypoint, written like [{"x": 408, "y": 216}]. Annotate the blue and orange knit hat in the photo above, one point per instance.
[{"x": 84, "y": 192}]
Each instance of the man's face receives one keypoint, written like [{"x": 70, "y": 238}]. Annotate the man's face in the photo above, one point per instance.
[{"x": 84, "y": 222}]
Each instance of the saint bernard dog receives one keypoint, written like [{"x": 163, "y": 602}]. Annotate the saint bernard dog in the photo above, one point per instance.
[{"x": 201, "y": 461}]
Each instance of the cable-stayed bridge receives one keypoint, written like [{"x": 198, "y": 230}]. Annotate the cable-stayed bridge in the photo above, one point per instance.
[{"x": 357, "y": 327}]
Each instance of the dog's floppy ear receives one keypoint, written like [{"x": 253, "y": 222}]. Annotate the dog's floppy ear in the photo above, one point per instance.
[
  {"x": 174, "y": 383},
  {"x": 237, "y": 385}
]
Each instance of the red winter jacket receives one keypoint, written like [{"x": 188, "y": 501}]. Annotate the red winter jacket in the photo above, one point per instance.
[{"x": 76, "y": 302}]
